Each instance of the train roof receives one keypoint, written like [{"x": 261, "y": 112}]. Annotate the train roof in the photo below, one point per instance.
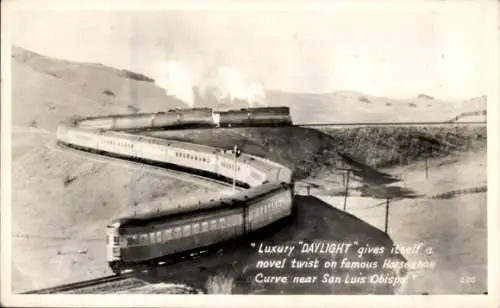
[
  {"x": 165, "y": 215},
  {"x": 266, "y": 108},
  {"x": 161, "y": 141}
]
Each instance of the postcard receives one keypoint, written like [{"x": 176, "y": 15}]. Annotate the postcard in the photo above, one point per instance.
[{"x": 243, "y": 154}]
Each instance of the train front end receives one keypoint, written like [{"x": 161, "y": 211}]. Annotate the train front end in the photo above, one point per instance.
[{"x": 113, "y": 248}]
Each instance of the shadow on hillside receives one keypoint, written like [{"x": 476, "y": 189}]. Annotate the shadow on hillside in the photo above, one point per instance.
[
  {"x": 384, "y": 192},
  {"x": 368, "y": 174},
  {"x": 233, "y": 269}
]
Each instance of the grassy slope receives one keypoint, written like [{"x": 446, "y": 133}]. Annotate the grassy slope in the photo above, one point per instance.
[
  {"x": 47, "y": 91},
  {"x": 389, "y": 146},
  {"x": 49, "y": 216}
]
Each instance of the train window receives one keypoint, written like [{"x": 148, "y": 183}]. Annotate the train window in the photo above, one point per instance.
[
  {"x": 204, "y": 226},
  {"x": 116, "y": 240},
  {"x": 152, "y": 238},
  {"x": 143, "y": 239},
  {"x": 196, "y": 228},
  {"x": 222, "y": 223},
  {"x": 132, "y": 240},
  {"x": 186, "y": 231},
  {"x": 213, "y": 224},
  {"x": 167, "y": 235},
  {"x": 158, "y": 237},
  {"x": 177, "y": 232}
]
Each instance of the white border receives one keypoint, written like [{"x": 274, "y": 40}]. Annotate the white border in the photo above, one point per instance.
[{"x": 492, "y": 299}]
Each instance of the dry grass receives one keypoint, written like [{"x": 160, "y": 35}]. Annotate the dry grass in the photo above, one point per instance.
[
  {"x": 382, "y": 147},
  {"x": 220, "y": 283}
]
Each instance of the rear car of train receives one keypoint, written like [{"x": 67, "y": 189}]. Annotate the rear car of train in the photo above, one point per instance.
[{"x": 113, "y": 249}]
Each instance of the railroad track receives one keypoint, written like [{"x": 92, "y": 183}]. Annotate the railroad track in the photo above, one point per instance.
[
  {"x": 390, "y": 124},
  {"x": 133, "y": 274},
  {"x": 79, "y": 285}
]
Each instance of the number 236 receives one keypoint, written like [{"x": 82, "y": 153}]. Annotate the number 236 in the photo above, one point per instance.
[{"x": 468, "y": 279}]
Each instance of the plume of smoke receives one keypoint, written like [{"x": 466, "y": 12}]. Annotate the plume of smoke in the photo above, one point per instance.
[
  {"x": 232, "y": 83},
  {"x": 224, "y": 83},
  {"x": 175, "y": 77}
]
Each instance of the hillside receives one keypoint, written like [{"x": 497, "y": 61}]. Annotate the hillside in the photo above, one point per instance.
[
  {"x": 356, "y": 107},
  {"x": 46, "y": 91}
]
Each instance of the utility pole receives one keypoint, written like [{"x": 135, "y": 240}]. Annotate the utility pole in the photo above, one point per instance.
[
  {"x": 386, "y": 214},
  {"x": 237, "y": 153},
  {"x": 346, "y": 190},
  {"x": 426, "y": 167}
]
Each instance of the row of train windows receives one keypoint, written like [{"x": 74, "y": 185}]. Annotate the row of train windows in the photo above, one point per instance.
[
  {"x": 263, "y": 210},
  {"x": 184, "y": 231},
  {"x": 196, "y": 228},
  {"x": 229, "y": 166},
  {"x": 119, "y": 143},
  {"x": 192, "y": 156}
]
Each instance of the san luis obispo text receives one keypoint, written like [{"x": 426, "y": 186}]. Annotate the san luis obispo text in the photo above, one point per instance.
[{"x": 304, "y": 259}]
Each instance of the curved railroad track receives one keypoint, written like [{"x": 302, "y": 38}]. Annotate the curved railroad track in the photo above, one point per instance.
[
  {"x": 112, "y": 123},
  {"x": 79, "y": 285}
]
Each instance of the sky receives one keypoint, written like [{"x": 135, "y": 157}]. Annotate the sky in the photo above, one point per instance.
[{"x": 390, "y": 51}]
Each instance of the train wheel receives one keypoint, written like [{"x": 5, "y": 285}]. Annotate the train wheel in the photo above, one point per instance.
[{"x": 115, "y": 268}]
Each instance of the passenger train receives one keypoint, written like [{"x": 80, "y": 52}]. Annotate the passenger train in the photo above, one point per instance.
[
  {"x": 149, "y": 237},
  {"x": 196, "y": 117}
]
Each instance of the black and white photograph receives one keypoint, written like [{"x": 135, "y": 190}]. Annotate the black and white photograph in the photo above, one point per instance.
[{"x": 347, "y": 149}]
